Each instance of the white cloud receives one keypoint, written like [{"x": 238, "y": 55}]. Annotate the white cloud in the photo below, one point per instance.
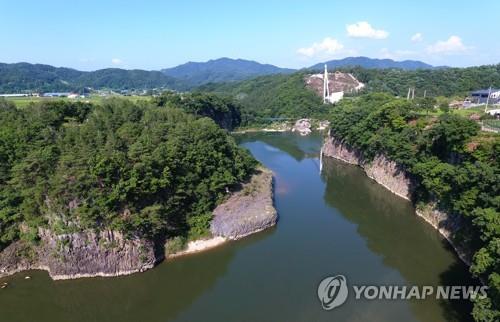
[
  {"x": 328, "y": 46},
  {"x": 417, "y": 37},
  {"x": 453, "y": 45},
  {"x": 116, "y": 61},
  {"x": 363, "y": 29}
]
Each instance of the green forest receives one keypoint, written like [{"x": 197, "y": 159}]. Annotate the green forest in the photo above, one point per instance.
[
  {"x": 275, "y": 96},
  {"x": 146, "y": 170},
  {"x": 453, "y": 163},
  {"x": 223, "y": 110},
  {"x": 286, "y": 96},
  {"x": 24, "y": 77},
  {"x": 435, "y": 82}
]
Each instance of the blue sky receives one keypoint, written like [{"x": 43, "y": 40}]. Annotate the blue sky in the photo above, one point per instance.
[{"x": 91, "y": 34}]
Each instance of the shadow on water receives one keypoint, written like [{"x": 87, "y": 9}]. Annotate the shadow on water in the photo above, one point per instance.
[
  {"x": 159, "y": 294},
  {"x": 341, "y": 222},
  {"x": 457, "y": 274},
  {"x": 403, "y": 240}
]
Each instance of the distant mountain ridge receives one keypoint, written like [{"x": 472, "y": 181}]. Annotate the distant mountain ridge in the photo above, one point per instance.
[
  {"x": 21, "y": 77},
  {"x": 372, "y": 63},
  {"x": 222, "y": 70}
]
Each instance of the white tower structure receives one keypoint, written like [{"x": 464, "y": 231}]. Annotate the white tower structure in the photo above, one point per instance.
[{"x": 326, "y": 88}]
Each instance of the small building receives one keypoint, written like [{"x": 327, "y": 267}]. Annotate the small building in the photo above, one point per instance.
[
  {"x": 481, "y": 96},
  {"x": 494, "y": 112},
  {"x": 56, "y": 94},
  {"x": 14, "y": 95}
]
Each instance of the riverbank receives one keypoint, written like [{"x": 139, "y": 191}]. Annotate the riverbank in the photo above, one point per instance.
[
  {"x": 108, "y": 253},
  {"x": 302, "y": 126},
  {"x": 391, "y": 176},
  {"x": 199, "y": 245}
]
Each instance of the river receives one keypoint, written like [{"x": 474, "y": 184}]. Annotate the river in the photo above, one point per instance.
[{"x": 336, "y": 222}]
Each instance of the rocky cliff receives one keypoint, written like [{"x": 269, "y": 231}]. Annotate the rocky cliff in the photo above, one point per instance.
[
  {"x": 394, "y": 178},
  {"x": 386, "y": 172},
  {"x": 110, "y": 253},
  {"x": 82, "y": 254},
  {"x": 248, "y": 210}
]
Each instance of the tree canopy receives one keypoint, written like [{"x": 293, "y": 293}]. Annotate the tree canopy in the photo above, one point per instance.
[
  {"x": 453, "y": 163},
  {"x": 142, "y": 169}
]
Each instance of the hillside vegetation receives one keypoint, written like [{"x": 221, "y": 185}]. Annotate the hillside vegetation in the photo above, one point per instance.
[
  {"x": 274, "y": 96},
  {"x": 453, "y": 163},
  {"x": 366, "y": 62},
  {"x": 21, "y": 77},
  {"x": 221, "y": 70},
  {"x": 436, "y": 82},
  {"x": 223, "y": 110},
  {"x": 148, "y": 171},
  {"x": 286, "y": 96}
]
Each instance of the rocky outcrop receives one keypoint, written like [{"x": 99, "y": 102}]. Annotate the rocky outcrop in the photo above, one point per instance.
[
  {"x": 390, "y": 175},
  {"x": 447, "y": 225},
  {"x": 386, "y": 172},
  {"x": 82, "y": 254},
  {"x": 110, "y": 253},
  {"x": 303, "y": 126},
  {"x": 337, "y": 149},
  {"x": 247, "y": 211}
]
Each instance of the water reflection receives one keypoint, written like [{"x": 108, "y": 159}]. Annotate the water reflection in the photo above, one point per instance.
[
  {"x": 404, "y": 241},
  {"x": 339, "y": 222},
  {"x": 296, "y": 146},
  {"x": 156, "y": 295}
]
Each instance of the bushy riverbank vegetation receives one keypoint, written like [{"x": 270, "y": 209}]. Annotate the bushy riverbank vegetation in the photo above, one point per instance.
[
  {"x": 139, "y": 168},
  {"x": 454, "y": 164}
]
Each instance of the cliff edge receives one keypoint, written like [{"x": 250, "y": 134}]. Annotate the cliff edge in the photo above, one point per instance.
[
  {"x": 394, "y": 178},
  {"x": 248, "y": 210}
]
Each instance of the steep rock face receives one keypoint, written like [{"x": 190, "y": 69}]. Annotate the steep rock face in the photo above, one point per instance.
[
  {"x": 247, "y": 211},
  {"x": 386, "y": 172},
  {"x": 447, "y": 225},
  {"x": 390, "y": 175},
  {"x": 82, "y": 254},
  {"x": 335, "y": 148}
]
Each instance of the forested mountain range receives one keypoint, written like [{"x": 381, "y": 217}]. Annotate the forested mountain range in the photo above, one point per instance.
[
  {"x": 21, "y": 77},
  {"x": 222, "y": 70},
  {"x": 366, "y": 62}
]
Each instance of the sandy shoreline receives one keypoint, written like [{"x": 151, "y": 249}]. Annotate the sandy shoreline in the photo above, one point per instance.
[{"x": 199, "y": 245}]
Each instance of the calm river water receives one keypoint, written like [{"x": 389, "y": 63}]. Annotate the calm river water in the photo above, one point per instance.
[{"x": 336, "y": 222}]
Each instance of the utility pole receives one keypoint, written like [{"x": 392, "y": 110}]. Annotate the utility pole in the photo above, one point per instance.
[
  {"x": 487, "y": 100},
  {"x": 326, "y": 88}
]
